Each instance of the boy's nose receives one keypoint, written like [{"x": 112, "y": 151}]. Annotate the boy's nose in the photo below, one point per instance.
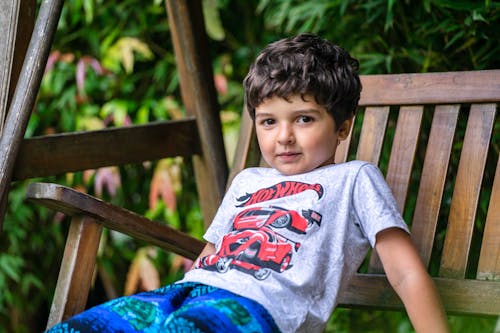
[{"x": 285, "y": 135}]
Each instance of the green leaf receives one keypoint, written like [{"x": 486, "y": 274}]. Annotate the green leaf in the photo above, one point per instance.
[
  {"x": 213, "y": 23},
  {"x": 389, "y": 15},
  {"x": 118, "y": 109},
  {"x": 454, "y": 39},
  {"x": 11, "y": 266},
  {"x": 88, "y": 6}
]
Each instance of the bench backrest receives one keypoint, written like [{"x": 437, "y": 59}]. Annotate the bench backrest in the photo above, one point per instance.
[{"x": 441, "y": 134}]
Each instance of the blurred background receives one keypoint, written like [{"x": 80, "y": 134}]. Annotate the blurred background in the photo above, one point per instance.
[{"x": 112, "y": 64}]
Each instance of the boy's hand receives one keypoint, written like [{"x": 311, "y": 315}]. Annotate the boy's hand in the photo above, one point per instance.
[{"x": 408, "y": 276}]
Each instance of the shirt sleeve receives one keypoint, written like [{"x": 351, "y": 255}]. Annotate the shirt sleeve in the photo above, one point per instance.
[{"x": 375, "y": 208}]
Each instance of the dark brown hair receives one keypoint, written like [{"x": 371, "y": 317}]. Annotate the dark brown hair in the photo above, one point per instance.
[{"x": 306, "y": 65}]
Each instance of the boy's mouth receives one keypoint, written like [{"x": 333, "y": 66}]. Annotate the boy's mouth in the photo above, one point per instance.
[{"x": 288, "y": 156}]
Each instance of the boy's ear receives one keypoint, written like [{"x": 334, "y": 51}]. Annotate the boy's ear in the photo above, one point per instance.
[{"x": 345, "y": 129}]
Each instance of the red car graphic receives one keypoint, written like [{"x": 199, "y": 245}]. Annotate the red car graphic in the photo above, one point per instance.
[
  {"x": 252, "y": 251},
  {"x": 277, "y": 217}
]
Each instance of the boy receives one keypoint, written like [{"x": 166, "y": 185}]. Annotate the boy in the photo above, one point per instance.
[{"x": 286, "y": 239}]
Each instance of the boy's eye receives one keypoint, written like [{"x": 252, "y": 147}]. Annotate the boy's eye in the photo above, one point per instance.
[
  {"x": 267, "y": 122},
  {"x": 305, "y": 119}
]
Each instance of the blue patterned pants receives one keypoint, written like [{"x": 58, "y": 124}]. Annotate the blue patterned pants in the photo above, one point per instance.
[{"x": 184, "y": 307}]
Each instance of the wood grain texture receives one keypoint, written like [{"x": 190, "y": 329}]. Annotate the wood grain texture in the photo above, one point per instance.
[
  {"x": 247, "y": 152},
  {"x": 77, "y": 268},
  {"x": 9, "y": 16},
  {"x": 194, "y": 65},
  {"x": 25, "y": 93},
  {"x": 21, "y": 41},
  {"x": 430, "y": 88},
  {"x": 403, "y": 151},
  {"x": 72, "y": 202},
  {"x": 466, "y": 192},
  {"x": 400, "y": 166},
  {"x": 68, "y": 152},
  {"x": 372, "y": 134},
  {"x": 432, "y": 179},
  {"x": 489, "y": 259},
  {"x": 459, "y": 296}
]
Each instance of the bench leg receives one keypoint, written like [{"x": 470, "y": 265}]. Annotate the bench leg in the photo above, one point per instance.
[{"x": 77, "y": 268}]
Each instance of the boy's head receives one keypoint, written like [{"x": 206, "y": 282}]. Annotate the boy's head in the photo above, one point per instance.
[{"x": 305, "y": 65}]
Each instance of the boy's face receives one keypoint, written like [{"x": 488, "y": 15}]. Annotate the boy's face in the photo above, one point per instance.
[{"x": 297, "y": 135}]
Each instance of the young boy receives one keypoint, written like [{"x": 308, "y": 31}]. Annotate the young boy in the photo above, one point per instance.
[{"x": 287, "y": 239}]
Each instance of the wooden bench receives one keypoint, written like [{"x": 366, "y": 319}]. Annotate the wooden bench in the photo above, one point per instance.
[{"x": 442, "y": 132}]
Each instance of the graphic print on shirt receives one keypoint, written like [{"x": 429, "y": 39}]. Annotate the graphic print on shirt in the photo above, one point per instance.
[{"x": 256, "y": 244}]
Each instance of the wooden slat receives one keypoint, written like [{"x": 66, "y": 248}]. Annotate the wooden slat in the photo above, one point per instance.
[
  {"x": 372, "y": 134},
  {"x": 458, "y": 296},
  {"x": 27, "y": 16},
  {"x": 9, "y": 15},
  {"x": 247, "y": 152},
  {"x": 403, "y": 150},
  {"x": 72, "y": 202},
  {"x": 466, "y": 192},
  {"x": 55, "y": 154},
  {"x": 433, "y": 178},
  {"x": 430, "y": 88},
  {"x": 77, "y": 268},
  {"x": 194, "y": 65},
  {"x": 489, "y": 260}
]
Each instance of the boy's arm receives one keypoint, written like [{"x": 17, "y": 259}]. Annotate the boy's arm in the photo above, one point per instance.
[
  {"x": 408, "y": 276},
  {"x": 207, "y": 250}
]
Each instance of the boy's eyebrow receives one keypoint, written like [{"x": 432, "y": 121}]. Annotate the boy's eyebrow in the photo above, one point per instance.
[
  {"x": 311, "y": 110},
  {"x": 298, "y": 111},
  {"x": 263, "y": 114}
]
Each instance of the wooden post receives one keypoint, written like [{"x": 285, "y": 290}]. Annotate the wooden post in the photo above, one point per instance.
[
  {"x": 25, "y": 93},
  {"x": 16, "y": 27},
  {"x": 9, "y": 14},
  {"x": 77, "y": 269},
  {"x": 199, "y": 97}
]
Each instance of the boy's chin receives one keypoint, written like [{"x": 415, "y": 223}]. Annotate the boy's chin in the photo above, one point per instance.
[
  {"x": 294, "y": 171},
  {"x": 290, "y": 171}
]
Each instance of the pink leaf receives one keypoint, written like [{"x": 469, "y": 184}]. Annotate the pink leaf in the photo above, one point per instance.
[
  {"x": 163, "y": 186},
  {"x": 80, "y": 77},
  {"x": 53, "y": 57},
  {"x": 81, "y": 67},
  {"x": 220, "y": 82},
  {"x": 108, "y": 178}
]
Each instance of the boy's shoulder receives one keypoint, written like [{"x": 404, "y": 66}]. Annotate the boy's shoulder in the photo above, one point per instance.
[
  {"x": 354, "y": 164},
  {"x": 366, "y": 169},
  {"x": 350, "y": 167}
]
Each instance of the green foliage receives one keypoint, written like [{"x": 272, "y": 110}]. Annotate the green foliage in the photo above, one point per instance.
[
  {"x": 398, "y": 36},
  {"x": 112, "y": 64},
  {"x": 28, "y": 235}
]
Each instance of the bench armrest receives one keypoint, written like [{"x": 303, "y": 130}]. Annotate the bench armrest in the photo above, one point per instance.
[{"x": 72, "y": 202}]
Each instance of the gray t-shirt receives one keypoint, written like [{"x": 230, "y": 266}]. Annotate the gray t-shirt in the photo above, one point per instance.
[{"x": 292, "y": 242}]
